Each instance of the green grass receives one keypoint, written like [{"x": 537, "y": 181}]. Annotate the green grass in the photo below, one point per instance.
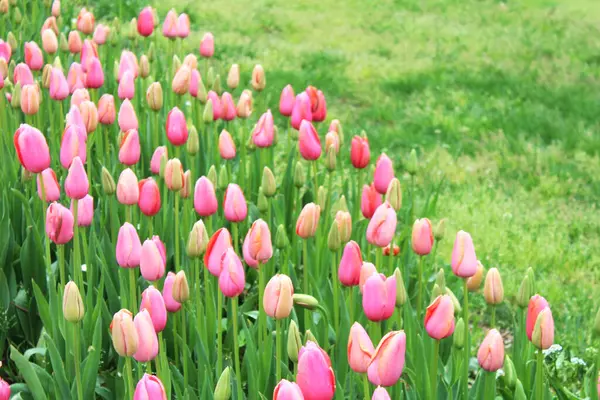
[{"x": 500, "y": 100}]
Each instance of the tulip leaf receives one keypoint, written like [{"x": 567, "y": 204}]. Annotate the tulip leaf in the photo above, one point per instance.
[
  {"x": 58, "y": 368},
  {"x": 42, "y": 305},
  {"x": 29, "y": 374},
  {"x": 92, "y": 362}
]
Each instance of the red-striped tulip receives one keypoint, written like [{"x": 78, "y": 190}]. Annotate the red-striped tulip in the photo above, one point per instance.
[
  {"x": 422, "y": 237},
  {"x": 536, "y": 304},
  {"x": 309, "y": 142},
  {"x": 124, "y": 335},
  {"x": 315, "y": 375},
  {"x": 226, "y": 146},
  {"x": 183, "y": 26},
  {"x": 85, "y": 211},
  {"x": 129, "y": 149},
  {"x": 542, "y": 336},
  {"x": 235, "y": 208},
  {"x": 207, "y": 45},
  {"x": 308, "y": 221},
  {"x": 150, "y": 387},
  {"x": 170, "y": 303},
  {"x": 218, "y": 244},
  {"x": 205, "y": 199},
  {"x": 439, "y": 318},
  {"x": 259, "y": 81},
  {"x": 145, "y": 22},
  {"x": 129, "y": 248},
  {"x": 493, "y": 291},
  {"x": 491, "y": 352},
  {"x": 106, "y": 109},
  {"x": 232, "y": 278},
  {"x": 32, "y": 149},
  {"x": 51, "y": 186},
  {"x": 149, "y": 200},
  {"x": 360, "y": 155},
  {"x": 216, "y": 104},
  {"x": 94, "y": 78},
  {"x": 33, "y": 56},
  {"x": 59, "y": 223},
  {"x": 379, "y": 297},
  {"x": 257, "y": 248},
  {"x": 360, "y": 349},
  {"x": 170, "y": 25},
  {"x": 128, "y": 191},
  {"x": 370, "y": 201},
  {"x": 75, "y": 77},
  {"x": 277, "y": 299},
  {"x": 464, "y": 259},
  {"x": 59, "y": 88},
  {"x": 157, "y": 156},
  {"x": 74, "y": 42},
  {"x": 85, "y": 22},
  {"x": 153, "y": 301},
  {"x": 76, "y": 183},
  {"x": 387, "y": 363},
  {"x": 264, "y": 131},
  {"x": 286, "y": 101},
  {"x": 350, "y": 264},
  {"x": 126, "y": 86},
  {"x": 147, "y": 339},
  {"x": 195, "y": 80},
  {"x": 30, "y": 99},
  {"x": 382, "y": 227},
  {"x": 319, "y": 107},
  {"x": 228, "y": 112},
  {"x": 384, "y": 173},
  {"x": 286, "y": 390},
  {"x": 153, "y": 259},
  {"x": 127, "y": 118}
]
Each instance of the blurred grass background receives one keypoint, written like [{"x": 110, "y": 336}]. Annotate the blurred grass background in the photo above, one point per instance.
[{"x": 501, "y": 100}]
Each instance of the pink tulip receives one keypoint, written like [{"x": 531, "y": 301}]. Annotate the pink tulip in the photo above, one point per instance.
[
  {"x": 315, "y": 375},
  {"x": 301, "y": 111},
  {"x": 439, "y": 318},
  {"x": 79, "y": 96},
  {"x": 207, "y": 45},
  {"x": 51, "y": 186},
  {"x": 22, "y": 74},
  {"x": 89, "y": 51},
  {"x": 145, "y": 22},
  {"x": 176, "y": 127},
  {"x": 106, "y": 109},
  {"x": 100, "y": 34},
  {"x": 286, "y": 390},
  {"x": 150, "y": 388},
  {"x": 350, "y": 264},
  {"x": 194, "y": 82},
  {"x": 127, "y": 117},
  {"x": 360, "y": 155},
  {"x": 126, "y": 86},
  {"x": 263, "y": 134},
  {"x": 2, "y": 87},
  {"x": 384, "y": 173},
  {"x": 170, "y": 25},
  {"x": 228, "y": 112},
  {"x": 380, "y": 394},
  {"x": 366, "y": 271},
  {"x": 170, "y": 303},
  {"x": 309, "y": 143},
  {"x": 94, "y": 78},
  {"x": 5, "y": 390},
  {"x": 59, "y": 223},
  {"x": 232, "y": 278},
  {"x": 422, "y": 237},
  {"x": 257, "y": 248},
  {"x": 226, "y": 146},
  {"x": 491, "y": 352},
  {"x": 536, "y": 304},
  {"x": 30, "y": 99},
  {"x": 33, "y": 56},
  {"x": 286, "y": 101},
  {"x": 277, "y": 299},
  {"x": 147, "y": 339},
  {"x": 319, "y": 112},
  {"x": 183, "y": 26},
  {"x": 50, "y": 23},
  {"x": 75, "y": 77},
  {"x": 153, "y": 259},
  {"x": 32, "y": 149},
  {"x": 89, "y": 116},
  {"x": 218, "y": 244},
  {"x": 77, "y": 184},
  {"x": 205, "y": 199},
  {"x": 360, "y": 349},
  {"x": 128, "y": 190},
  {"x": 181, "y": 80},
  {"x": 74, "y": 117},
  {"x": 5, "y": 51},
  {"x": 382, "y": 226},
  {"x": 308, "y": 221},
  {"x": 59, "y": 88},
  {"x": 156, "y": 159},
  {"x": 235, "y": 208},
  {"x": 387, "y": 363},
  {"x": 74, "y": 42},
  {"x": 152, "y": 301},
  {"x": 129, "y": 150},
  {"x": 464, "y": 260},
  {"x": 543, "y": 332},
  {"x": 216, "y": 104},
  {"x": 149, "y": 201},
  {"x": 129, "y": 248},
  {"x": 85, "y": 22},
  {"x": 128, "y": 62},
  {"x": 379, "y": 297},
  {"x": 85, "y": 211}
]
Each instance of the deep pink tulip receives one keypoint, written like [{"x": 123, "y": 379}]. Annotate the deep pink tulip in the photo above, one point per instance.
[
  {"x": 128, "y": 62},
  {"x": 145, "y": 22},
  {"x": 167, "y": 292},
  {"x": 263, "y": 134},
  {"x": 89, "y": 51},
  {"x": 315, "y": 375},
  {"x": 22, "y": 74},
  {"x": 79, "y": 96},
  {"x": 278, "y": 297},
  {"x": 77, "y": 184},
  {"x": 439, "y": 318},
  {"x": 360, "y": 349},
  {"x": 384, "y": 173},
  {"x": 207, "y": 45},
  {"x": 286, "y": 390},
  {"x": 100, "y": 34},
  {"x": 218, "y": 244},
  {"x": 235, "y": 208},
  {"x": 387, "y": 363},
  {"x": 308, "y": 221},
  {"x": 257, "y": 248},
  {"x": 176, "y": 127},
  {"x": 147, "y": 339},
  {"x": 366, "y": 271},
  {"x": 127, "y": 118},
  {"x": 106, "y": 109},
  {"x": 228, "y": 111},
  {"x": 75, "y": 43},
  {"x": 59, "y": 223},
  {"x": 205, "y": 199},
  {"x": 129, "y": 248},
  {"x": 226, "y": 146},
  {"x": 382, "y": 226},
  {"x": 170, "y": 25},
  {"x": 183, "y": 26},
  {"x": 216, "y": 104},
  {"x": 422, "y": 237},
  {"x": 543, "y": 332},
  {"x": 232, "y": 278},
  {"x": 5, "y": 390},
  {"x": 194, "y": 82},
  {"x": 129, "y": 150},
  {"x": 126, "y": 86},
  {"x": 319, "y": 113},
  {"x": 51, "y": 186},
  {"x": 75, "y": 77},
  {"x": 128, "y": 190},
  {"x": 286, "y": 101},
  {"x": 153, "y": 259},
  {"x": 379, "y": 297},
  {"x": 301, "y": 110},
  {"x": 309, "y": 142},
  {"x": 350, "y": 264},
  {"x": 536, "y": 304},
  {"x": 156, "y": 159},
  {"x": 149, "y": 201},
  {"x": 380, "y": 394},
  {"x": 360, "y": 155},
  {"x": 5, "y": 51},
  {"x": 32, "y": 149},
  {"x": 33, "y": 56},
  {"x": 150, "y": 388},
  {"x": 85, "y": 212},
  {"x": 491, "y": 352},
  {"x": 94, "y": 78},
  {"x": 153, "y": 301},
  {"x": 464, "y": 259}
]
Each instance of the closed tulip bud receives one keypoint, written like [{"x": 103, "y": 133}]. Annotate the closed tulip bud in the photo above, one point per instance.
[
  {"x": 412, "y": 163},
  {"x": 370, "y": 201},
  {"x": 436, "y": 291},
  {"x": 387, "y": 362},
  {"x": 149, "y": 199},
  {"x": 124, "y": 335},
  {"x": 458, "y": 338},
  {"x": 263, "y": 134},
  {"x": 4, "y": 66},
  {"x": 183, "y": 26},
  {"x": 330, "y": 159},
  {"x": 144, "y": 66},
  {"x": 455, "y": 302},
  {"x": 384, "y": 173},
  {"x": 79, "y": 96},
  {"x": 519, "y": 391},
  {"x": 218, "y": 244},
  {"x": 440, "y": 229},
  {"x": 226, "y": 146},
  {"x": 150, "y": 387},
  {"x": 186, "y": 190},
  {"x": 536, "y": 304},
  {"x": 380, "y": 394},
  {"x": 401, "y": 295},
  {"x": 174, "y": 175},
  {"x": 382, "y": 227},
  {"x": 333, "y": 239},
  {"x": 63, "y": 43},
  {"x": 531, "y": 276},
  {"x": 4, "y": 10},
  {"x": 145, "y": 22},
  {"x": 322, "y": 195},
  {"x": 191, "y": 61},
  {"x": 76, "y": 183},
  {"x": 244, "y": 105},
  {"x": 49, "y": 41},
  {"x": 223, "y": 388},
  {"x": 176, "y": 127},
  {"x": 474, "y": 282},
  {"x": 74, "y": 43},
  {"x": 286, "y": 390},
  {"x": 259, "y": 81},
  {"x": 12, "y": 40},
  {"x": 15, "y": 101},
  {"x": 543, "y": 331},
  {"x": 235, "y": 208},
  {"x": 299, "y": 175},
  {"x": 268, "y": 184},
  {"x": 439, "y": 318},
  {"x": 493, "y": 290},
  {"x": 154, "y": 96},
  {"x": 181, "y": 289},
  {"x": 277, "y": 298},
  {"x": 286, "y": 101},
  {"x": 440, "y": 279},
  {"x": 128, "y": 191},
  {"x": 207, "y": 45},
  {"x": 108, "y": 183},
  {"x": 308, "y": 221},
  {"x": 197, "y": 240},
  {"x": 51, "y": 186},
  {"x": 257, "y": 247},
  {"x": 360, "y": 349},
  {"x": 394, "y": 195},
  {"x": 170, "y": 303},
  {"x": 597, "y": 323},
  {"x": 350, "y": 264},
  {"x": 223, "y": 179},
  {"x": 126, "y": 88},
  {"x": 181, "y": 81},
  {"x": 207, "y": 115},
  {"x": 379, "y": 297},
  {"x": 33, "y": 56},
  {"x": 216, "y": 85},
  {"x": 309, "y": 143},
  {"x": 232, "y": 278},
  {"x": 212, "y": 175},
  {"x": 106, "y": 109},
  {"x": 510, "y": 373},
  {"x": 422, "y": 237},
  {"x": 315, "y": 377},
  {"x": 85, "y": 210},
  {"x": 343, "y": 219},
  {"x": 491, "y": 352},
  {"x": 147, "y": 340},
  {"x": 18, "y": 17},
  {"x": 73, "y": 309},
  {"x": 127, "y": 118},
  {"x": 89, "y": 115},
  {"x": 59, "y": 223},
  {"x": 85, "y": 22},
  {"x": 294, "y": 341},
  {"x": 30, "y": 99},
  {"x": 151, "y": 51},
  {"x": 153, "y": 301},
  {"x": 305, "y": 301},
  {"x": 101, "y": 34},
  {"x": 233, "y": 77},
  {"x": 129, "y": 248},
  {"x": 46, "y": 74},
  {"x": 464, "y": 260}
]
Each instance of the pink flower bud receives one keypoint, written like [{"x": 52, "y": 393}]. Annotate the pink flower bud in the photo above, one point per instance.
[
  {"x": 85, "y": 212},
  {"x": 315, "y": 375},
  {"x": 542, "y": 336},
  {"x": 150, "y": 387},
  {"x": 50, "y": 23},
  {"x": 207, "y": 45},
  {"x": 170, "y": 25},
  {"x": 360, "y": 349},
  {"x": 422, "y": 237},
  {"x": 30, "y": 99},
  {"x": 264, "y": 131},
  {"x": 259, "y": 81},
  {"x": 380, "y": 394},
  {"x": 106, "y": 109},
  {"x": 218, "y": 244},
  {"x": 382, "y": 227},
  {"x": 277, "y": 299},
  {"x": 156, "y": 159},
  {"x": 94, "y": 78},
  {"x": 149, "y": 201},
  {"x": 101, "y": 34},
  {"x": 384, "y": 173},
  {"x": 491, "y": 352},
  {"x": 127, "y": 117},
  {"x": 33, "y": 56},
  {"x": 126, "y": 86},
  {"x": 232, "y": 278},
  {"x": 257, "y": 247},
  {"x": 49, "y": 41},
  {"x": 76, "y": 184},
  {"x": 145, "y": 22},
  {"x": 128, "y": 62},
  {"x": 332, "y": 140},
  {"x": 153, "y": 259},
  {"x": 85, "y": 22},
  {"x": 286, "y": 101},
  {"x": 73, "y": 145},
  {"x": 147, "y": 339},
  {"x": 128, "y": 191},
  {"x": 318, "y": 107},
  {"x": 32, "y": 149},
  {"x": 170, "y": 303},
  {"x": 235, "y": 208},
  {"x": 360, "y": 155},
  {"x": 51, "y": 186},
  {"x": 228, "y": 112},
  {"x": 301, "y": 111},
  {"x": 464, "y": 260},
  {"x": 226, "y": 146},
  {"x": 350, "y": 264},
  {"x": 75, "y": 77},
  {"x": 387, "y": 363},
  {"x": 176, "y": 127},
  {"x": 152, "y": 301},
  {"x": 124, "y": 335},
  {"x": 309, "y": 143},
  {"x": 89, "y": 116},
  {"x": 5, "y": 51},
  {"x": 366, "y": 271},
  {"x": 59, "y": 223},
  {"x": 129, "y": 150},
  {"x": 75, "y": 43},
  {"x": 286, "y": 390},
  {"x": 89, "y": 51},
  {"x": 379, "y": 297},
  {"x": 183, "y": 26},
  {"x": 308, "y": 221},
  {"x": 536, "y": 304},
  {"x": 244, "y": 106},
  {"x": 205, "y": 199},
  {"x": 129, "y": 248},
  {"x": 56, "y": 8},
  {"x": 216, "y": 104},
  {"x": 195, "y": 80},
  {"x": 493, "y": 291},
  {"x": 181, "y": 80},
  {"x": 59, "y": 88},
  {"x": 439, "y": 318},
  {"x": 79, "y": 96}
]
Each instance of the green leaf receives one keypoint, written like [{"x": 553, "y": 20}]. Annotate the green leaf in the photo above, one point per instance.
[
  {"x": 26, "y": 369},
  {"x": 58, "y": 369},
  {"x": 42, "y": 305},
  {"x": 90, "y": 372}
]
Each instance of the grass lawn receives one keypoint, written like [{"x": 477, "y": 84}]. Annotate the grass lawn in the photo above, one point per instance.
[{"x": 502, "y": 101}]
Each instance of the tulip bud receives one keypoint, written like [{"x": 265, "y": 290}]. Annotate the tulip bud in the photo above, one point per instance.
[
  {"x": 330, "y": 159},
  {"x": 491, "y": 352},
  {"x": 294, "y": 341},
  {"x": 343, "y": 219},
  {"x": 144, "y": 66},
  {"x": 108, "y": 183},
  {"x": 474, "y": 282},
  {"x": 124, "y": 335},
  {"x": 436, "y": 291},
  {"x": 519, "y": 391},
  {"x": 216, "y": 86},
  {"x": 459, "y": 334},
  {"x": 192, "y": 145},
  {"x": 281, "y": 240},
  {"x": 268, "y": 185},
  {"x": 341, "y": 205},
  {"x": 259, "y": 81},
  {"x": 210, "y": 76},
  {"x": 309, "y": 337},
  {"x": 15, "y": 102},
  {"x": 322, "y": 195},
  {"x": 207, "y": 115},
  {"x": 440, "y": 279},
  {"x": 202, "y": 93},
  {"x": 401, "y": 295},
  {"x": 151, "y": 51},
  {"x": 72, "y": 304},
  {"x": 174, "y": 175},
  {"x": 17, "y": 16},
  {"x": 305, "y": 301},
  {"x": 543, "y": 332},
  {"x": 333, "y": 239},
  {"x": 45, "y": 75},
  {"x": 4, "y": 69},
  {"x": 154, "y": 96},
  {"x": 176, "y": 63},
  {"x": 299, "y": 175},
  {"x": 493, "y": 290},
  {"x": 233, "y": 77},
  {"x": 510, "y": 373},
  {"x": 212, "y": 175},
  {"x": 181, "y": 289},
  {"x": 455, "y": 302},
  {"x": 524, "y": 293},
  {"x": 394, "y": 194},
  {"x": 197, "y": 240},
  {"x": 531, "y": 276},
  {"x": 3, "y": 11},
  {"x": 223, "y": 180},
  {"x": 262, "y": 203},
  {"x": 223, "y": 388},
  {"x": 412, "y": 163}
]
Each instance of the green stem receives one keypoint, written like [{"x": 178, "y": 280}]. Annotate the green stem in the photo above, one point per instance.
[
  {"x": 420, "y": 289},
  {"x": 261, "y": 310},
  {"x": 434, "y": 368},
  {"x": 129, "y": 385},
  {"x": 305, "y": 280},
  {"x": 335, "y": 284},
  {"x": 489, "y": 380},
  {"x": 184, "y": 338},
  {"x": 278, "y": 360},
  {"x": 236, "y": 348},
  {"x": 76, "y": 351},
  {"x": 177, "y": 266},
  {"x": 219, "y": 340},
  {"x": 61, "y": 265},
  {"x": 366, "y": 387},
  {"x": 493, "y": 325},
  {"x": 76, "y": 248},
  {"x": 316, "y": 180},
  {"x": 351, "y": 301},
  {"x": 539, "y": 380},
  {"x": 465, "y": 375},
  {"x": 44, "y": 209},
  {"x": 132, "y": 290}
]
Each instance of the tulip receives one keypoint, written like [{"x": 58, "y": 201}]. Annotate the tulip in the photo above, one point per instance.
[
  {"x": 79, "y": 96},
  {"x": 493, "y": 290},
  {"x": 76, "y": 183},
  {"x": 384, "y": 173},
  {"x": 157, "y": 156},
  {"x": 153, "y": 302},
  {"x": 181, "y": 80},
  {"x": 127, "y": 117},
  {"x": 181, "y": 289},
  {"x": 277, "y": 298},
  {"x": 319, "y": 107},
  {"x": 154, "y": 96},
  {"x": 51, "y": 186},
  {"x": 49, "y": 41},
  {"x": 308, "y": 221},
  {"x": 263, "y": 134},
  {"x": 106, "y": 109},
  {"x": 183, "y": 26},
  {"x": 75, "y": 43},
  {"x": 232, "y": 278},
  {"x": 387, "y": 362},
  {"x": 149, "y": 198},
  {"x": 89, "y": 51},
  {"x": 343, "y": 220},
  {"x": 233, "y": 77},
  {"x": 94, "y": 78},
  {"x": 85, "y": 22},
  {"x": 30, "y": 99},
  {"x": 124, "y": 335},
  {"x": 217, "y": 109},
  {"x": 197, "y": 240},
  {"x": 5, "y": 51},
  {"x": 75, "y": 77},
  {"x": 286, "y": 390},
  {"x": 332, "y": 141},
  {"x": 150, "y": 387},
  {"x": 315, "y": 376},
  {"x": 542, "y": 336},
  {"x": 205, "y": 200},
  {"x": 170, "y": 25},
  {"x": 129, "y": 248},
  {"x": 235, "y": 208},
  {"x": 257, "y": 247},
  {"x": 195, "y": 82},
  {"x": 350, "y": 264},
  {"x": 129, "y": 150},
  {"x": 259, "y": 81},
  {"x": 360, "y": 349},
  {"x": 59, "y": 88},
  {"x": 379, "y": 297},
  {"x": 491, "y": 352},
  {"x": 85, "y": 212},
  {"x": 170, "y": 303},
  {"x": 101, "y": 34},
  {"x": 153, "y": 259},
  {"x": 439, "y": 318},
  {"x": 382, "y": 227},
  {"x": 464, "y": 260},
  {"x": 72, "y": 306},
  {"x": 147, "y": 339},
  {"x": 59, "y": 223},
  {"x": 226, "y": 146},
  {"x": 360, "y": 155},
  {"x": 536, "y": 304},
  {"x": 145, "y": 22},
  {"x": 474, "y": 282},
  {"x": 380, "y": 394},
  {"x": 244, "y": 106},
  {"x": 309, "y": 143},
  {"x": 33, "y": 56},
  {"x": 218, "y": 244},
  {"x": 422, "y": 237},
  {"x": 50, "y": 23},
  {"x": 207, "y": 45},
  {"x": 23, "y": 75},
  {"x": 56, "y": 8},
  {"x": 174, "y": 175},
  {"x": 176, "y": 127},
  {"x": 286, "y": 101},
  {"x": 126, "y": 86},
  {"x": 301, "y": 110},
  {"x": 191, "y": 61},
  {"x": 370, "y": 201},
  {"x": 228, "y": 112},
  {"x": 128, "y": 191},
  {"x": 128, "y": 62}
]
